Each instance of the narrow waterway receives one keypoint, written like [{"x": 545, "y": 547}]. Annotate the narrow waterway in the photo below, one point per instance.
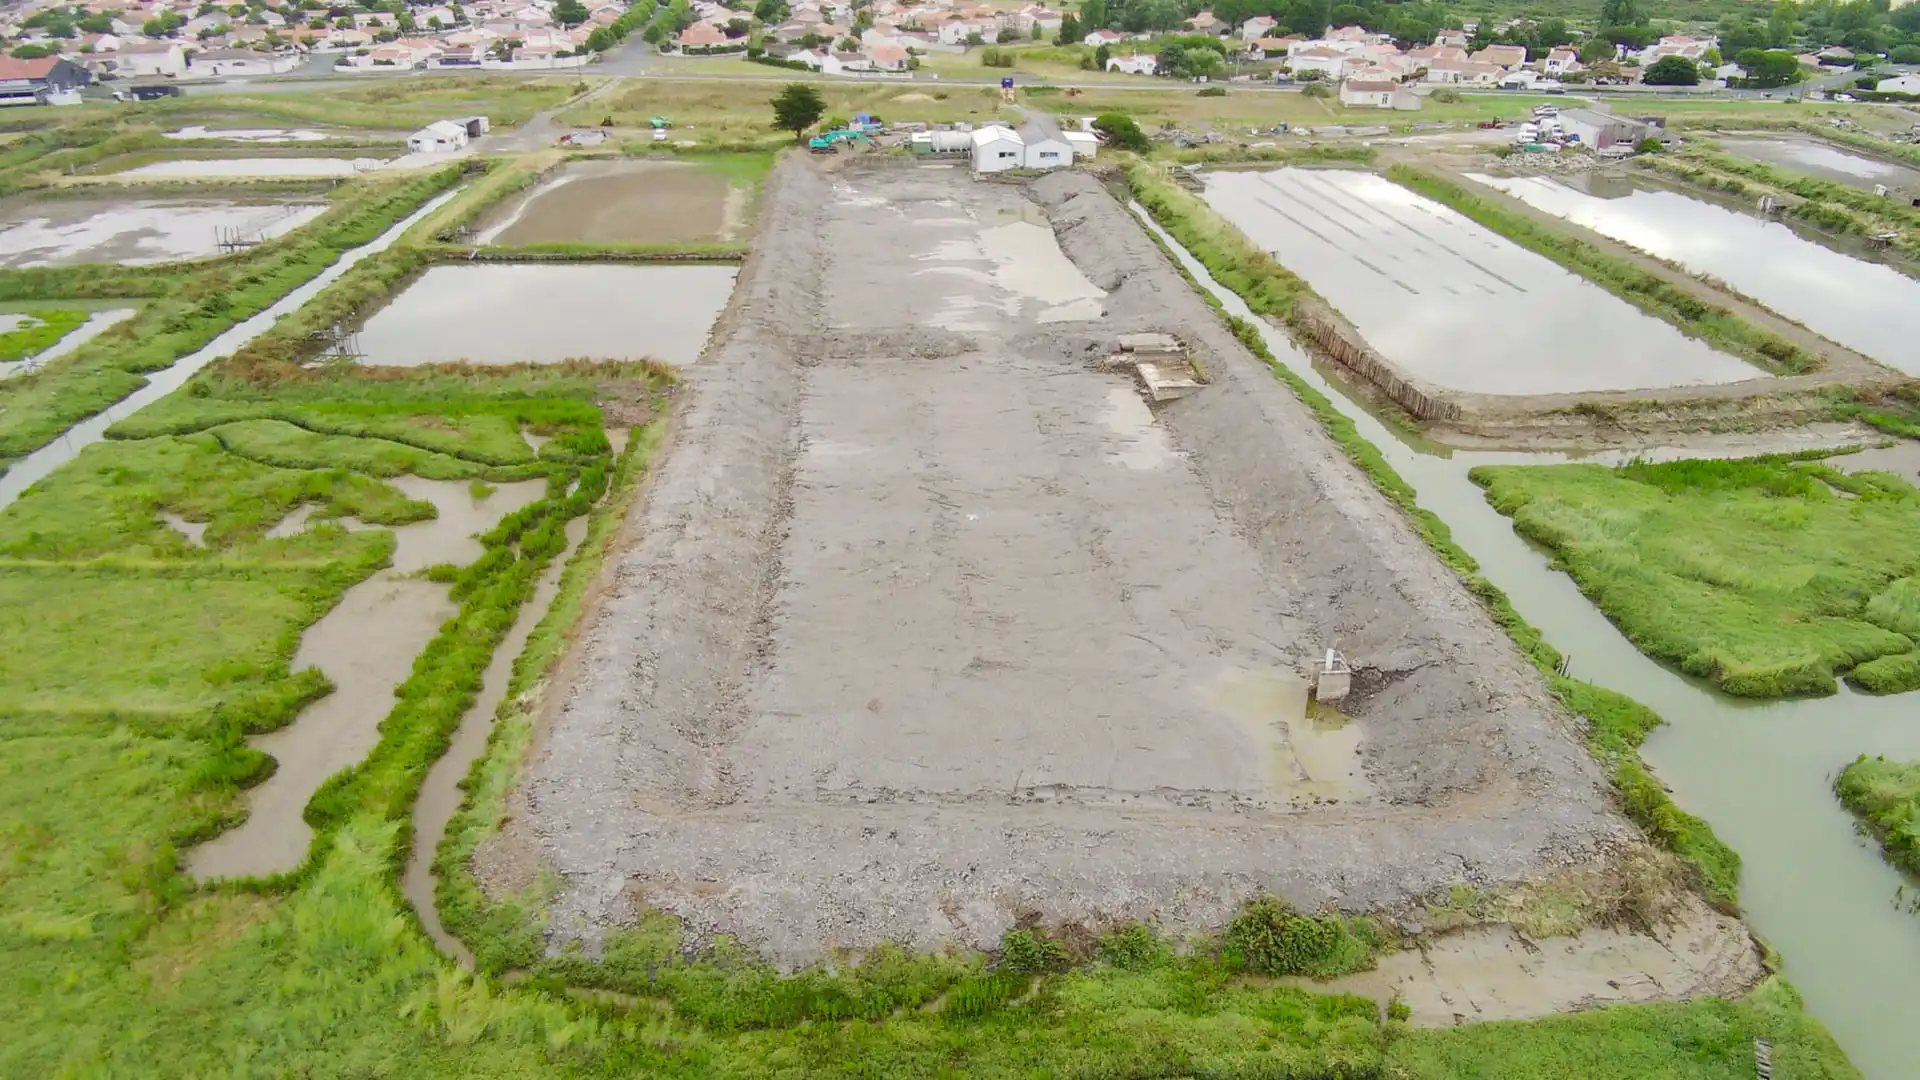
[
  {"x": 1758, "y": 773},
  {"x": 30, "y": 469}
]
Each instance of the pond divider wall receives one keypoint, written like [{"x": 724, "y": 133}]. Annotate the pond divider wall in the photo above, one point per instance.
[{"x": 1342, "y": 344}]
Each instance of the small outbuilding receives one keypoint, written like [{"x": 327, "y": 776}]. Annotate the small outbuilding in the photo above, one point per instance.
[
  {"x": 1042, "y": 148},
  {"x": 996, "y": 149},
  {"x": 1085, "y": 143},
  {"x": 441, "y": 136}
]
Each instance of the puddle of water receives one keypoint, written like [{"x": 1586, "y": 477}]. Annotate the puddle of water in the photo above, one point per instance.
[
  {"x": 194, "y": 531},
  {"x": 1308, "y": 762},
  {"x": 35, "y": 466},
  {"x": 1822, "y": 160},
  {"x": 1028, "y": 262},
  {"x": 1451, "y": 302},
  {"x": 440, "y": 792},
  {"x": 273, "y": 166},
  {"x": 539, "y": 313},
  {"x": 64, "y": 232},
  {"x": 253, "y": 135},
  {"x": 1494, "y": 973},
  {"x": 1759, "y": 773},
  {"x": 366, "y": 644},
  {"x": 1863, "y": 305},
  {"x": 1139, "y": 442}
]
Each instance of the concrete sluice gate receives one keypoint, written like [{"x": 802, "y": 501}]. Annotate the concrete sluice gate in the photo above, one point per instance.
[{"x": 933, "y": 620}]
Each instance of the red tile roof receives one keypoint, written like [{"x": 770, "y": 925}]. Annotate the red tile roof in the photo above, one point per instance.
[{"x": 14, "y": 68}]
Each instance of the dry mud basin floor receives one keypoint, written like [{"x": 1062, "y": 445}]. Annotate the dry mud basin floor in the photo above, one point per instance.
[
  {"x": 927, "y": 623},
  {"x": 620, "y": 202}
]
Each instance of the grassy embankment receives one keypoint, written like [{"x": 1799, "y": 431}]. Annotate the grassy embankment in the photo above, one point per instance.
[
  {"x": 1644, "y": 289},
  {"x": 1823, "y": 203},
  {"x": 1616, "y": 725},
  {"x": 41, "y": 330},
  {"x": 1765, "y": 576},
  {"x": 1885, "y": 796},
  {"x": 187, "y": 306}
]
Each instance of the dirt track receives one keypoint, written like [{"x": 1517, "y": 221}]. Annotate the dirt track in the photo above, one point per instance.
[{"x": 930, "y": 625}]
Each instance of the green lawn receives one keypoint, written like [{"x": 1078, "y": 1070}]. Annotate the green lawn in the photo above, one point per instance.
[
  {"x": 39, "y": 331},
  {"x": 1766, "y": 576},
  {"x": 1885, "y": 796}
]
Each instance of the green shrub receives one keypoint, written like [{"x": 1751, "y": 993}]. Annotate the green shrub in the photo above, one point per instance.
[
  {"x": 1270, "y": 938},
  {"x": 1032, "y": 952},
  {"x": 1136, "y": 948},
  {"x": 1885, "y": 796},
  {"x": 1895, "y": 674}
]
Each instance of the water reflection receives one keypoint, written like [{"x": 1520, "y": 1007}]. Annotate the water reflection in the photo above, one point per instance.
[
  {"x": 1865, "y": 306},
  {"x": 1452, "y": 303}
]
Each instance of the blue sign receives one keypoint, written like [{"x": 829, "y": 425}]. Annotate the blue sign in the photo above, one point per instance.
[{"x": 1006, "y": 83}]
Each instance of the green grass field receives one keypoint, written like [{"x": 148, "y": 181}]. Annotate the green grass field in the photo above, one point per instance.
[
  {"x": 1885, "y": 796},
  {"x": 1765, "y": 576}
]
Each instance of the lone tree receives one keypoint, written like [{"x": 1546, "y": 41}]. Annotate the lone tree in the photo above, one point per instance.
[
  {"x": 1122, "y": 133},
  {"x": 798, "y": 108}
]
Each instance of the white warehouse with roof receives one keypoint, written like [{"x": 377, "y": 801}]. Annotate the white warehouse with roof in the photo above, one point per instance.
[{"x": 997, "y": 149}]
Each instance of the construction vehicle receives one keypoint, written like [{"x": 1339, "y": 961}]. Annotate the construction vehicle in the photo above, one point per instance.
[{"x": 829, "y": 142}]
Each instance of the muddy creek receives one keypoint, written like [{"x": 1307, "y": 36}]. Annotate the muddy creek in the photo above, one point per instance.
[
  {"x": 1862, "y": 305},
  {"x": 366, "y": 646},
  {"x": 1759, "y": 773},
  {"x": 484, "y": 314}
]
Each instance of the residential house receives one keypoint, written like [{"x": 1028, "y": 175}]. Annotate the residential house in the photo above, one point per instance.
[
  {"x": 1205, "y": 23},
  {"x": 1686, "y": 45},
  {"x": 374, "y": 20},
  {"x": 149, "y": 58},
  {"x": 1268, "y": 46},
  {"x": 957, "y": 31},
  {"x": 1137, "y": 64},
  {"x": 1103, "y": 37},
  {"x": 1561, "y": 61},
  {"x": 887, "y": 57},
  {"x": 1427, "y": 54},
  {"x": 1257, "y": 27},
  {"x": 28, "y": 82},
  {"x": 701, "y": 37},
  {"x": 1377, "y": 94},
  {"x": 1043, "y": 148},
  {"x": 1601, "y": 130},
  {"x": 241, "y": 62},
  {"x": 348, "y": 39},
  {"x": 1505, "y": 56},
  {"x": 996, "y": 149},
  {"x": 1329, "y": 62},
  {"x": 1353, "y": 35},
  {"x": 1458, "y": 39},
  {"x": 1047, "y": 19},
  {"x": 1462, "y": 73}
]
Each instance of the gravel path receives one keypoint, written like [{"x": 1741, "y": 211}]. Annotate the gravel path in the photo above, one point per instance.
[{"x": 929, "y": 624}]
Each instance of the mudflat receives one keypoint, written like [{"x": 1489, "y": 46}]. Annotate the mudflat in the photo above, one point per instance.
[
  {"x": 931, "y": 624},
  {"x": 617, "y": 202}
]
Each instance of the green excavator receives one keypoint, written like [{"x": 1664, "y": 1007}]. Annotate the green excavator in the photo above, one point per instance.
[{"x": 829, "y": 142}]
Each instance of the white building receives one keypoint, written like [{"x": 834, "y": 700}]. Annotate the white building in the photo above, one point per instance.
[
  {"x": 1327, "y": 61},
  {"x": 1137, "y": 64},
  {"x": 1085, "y": 143},
  {"x": 996, "y": 149},
  {"x": 1377, "y": 94},
  {"x": 1043, "y": 149},
  {"x": 1905, "y": 84},
  {"x": 150, "y": 58},
  {"x": 441, "y": 136}
]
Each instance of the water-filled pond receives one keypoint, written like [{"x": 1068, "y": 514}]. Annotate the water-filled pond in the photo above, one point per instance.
[
  {"x": 136, "y": 232},
  {"x": 191, "y": 168},
  {"x": 1863, "y": 305},
  {"x": 1758, "y": 773},
  {"x": 1820, "y": 159},
  {"x": 1452, "y": 303},
  {"x": 501, "y": 313}
]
